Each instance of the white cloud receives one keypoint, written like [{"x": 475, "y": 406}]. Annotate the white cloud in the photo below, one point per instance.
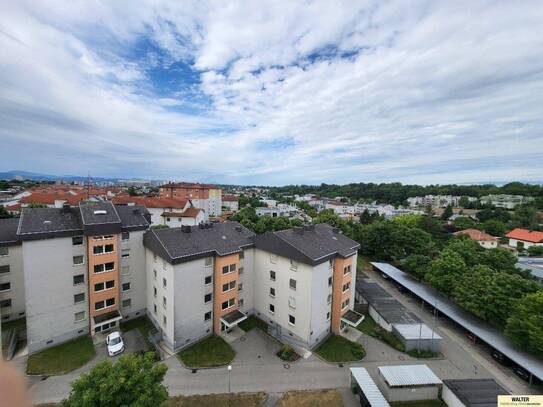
[{"x": 298, "y": 92}]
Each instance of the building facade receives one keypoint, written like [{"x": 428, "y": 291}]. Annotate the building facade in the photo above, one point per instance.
[{"x": 203, "y": 196}]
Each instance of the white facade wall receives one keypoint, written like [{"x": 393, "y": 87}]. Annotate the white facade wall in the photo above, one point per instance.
[
  {"x": 132, "y": 270},
  {"x": 321, "y": 309},
  {"x": 231, "y": 205},
  {"x": 488, "y": 244},
  {"x": 247, "y": 278},
  {"x": 16, "y": 293},
  {"x": 174, "y": 222},
  {"x": 379, "y": 319},
  {"x": 514, "y": 242},
  {"x": 49, "y": 288},
  {"x": 450, "y": 398}
]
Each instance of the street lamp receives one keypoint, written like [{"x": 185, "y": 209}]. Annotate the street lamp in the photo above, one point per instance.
[{"x": 229, "y": 370}]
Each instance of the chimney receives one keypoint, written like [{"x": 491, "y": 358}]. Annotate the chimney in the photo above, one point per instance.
[
  {"x": 66, "y": 208},
  {"x": 238, "y": 228}
]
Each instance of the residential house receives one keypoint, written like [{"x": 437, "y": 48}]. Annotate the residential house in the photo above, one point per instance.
[
  {"x": 484, "y": 239},
  {"x": 524, "y": 238}
]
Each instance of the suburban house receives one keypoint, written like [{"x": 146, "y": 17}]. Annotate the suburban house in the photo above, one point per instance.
[
  {"x": 230, "y": 202},
  {"x": 484, "y": 239},
  {"x": 203, "y": 196},
  {"x": 166, "y": 211},
  {"x": 524, "y": 238}
]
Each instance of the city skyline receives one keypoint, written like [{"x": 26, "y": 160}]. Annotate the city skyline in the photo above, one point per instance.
[{"x": 273, "y": 94}]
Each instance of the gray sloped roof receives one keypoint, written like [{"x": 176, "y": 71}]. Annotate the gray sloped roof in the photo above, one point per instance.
[
  {"x": 476, "y": 392},
  {"x": 132, "y": 217},
  {"x": 409, "y": 375},
  {"x": 8, "y": 232},
  {"x": 176, "y": 245},
  {"x": 43, "y": 223},
  {"x": 312, "y": 244},
  {"x": 480, "y": 328}
]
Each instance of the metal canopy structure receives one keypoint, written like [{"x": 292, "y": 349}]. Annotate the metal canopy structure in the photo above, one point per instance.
[
  {"x": 233, "y": 318},
  {"x": 371, "y": 392},
  {"x": 352, "y": 318},
  {"x": 409, "y": 375},
  {"x": 470, "y": 322}
]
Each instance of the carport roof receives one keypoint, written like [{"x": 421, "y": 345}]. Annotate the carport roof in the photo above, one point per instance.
[
  {"x": 409, "y": 375},
  {"x": 368, "y": 386},
  {"x": 480, "y": 328},
  {"x": 476, "y": 392}
]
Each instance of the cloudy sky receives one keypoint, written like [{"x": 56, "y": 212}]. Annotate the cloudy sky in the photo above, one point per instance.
[{"x": 274, "y": 92}]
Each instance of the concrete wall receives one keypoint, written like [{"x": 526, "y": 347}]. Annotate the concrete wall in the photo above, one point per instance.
[
  {"x": 49, "y": 291},
  {"x": 133, "y": 271},
  {"x": 408, "y": 393},
  {"x": 379, "y": 319},
  {"x": 16, "y": 278},
  {"x": 450, "y": 398},
  {"x": 189, "y": 305}
]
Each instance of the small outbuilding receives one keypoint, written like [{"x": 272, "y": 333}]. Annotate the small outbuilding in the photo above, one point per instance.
[
  {"x": 366, "y": 389},
  {"x": 417, "y": 336},
  {"x": 408, "y": 383},
  {"x": 472, "y": 392}
]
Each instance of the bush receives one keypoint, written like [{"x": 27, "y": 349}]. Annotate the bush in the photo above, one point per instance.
[
  {"x": 535, "y": 251},
  {"x": 287, "y": 353}
]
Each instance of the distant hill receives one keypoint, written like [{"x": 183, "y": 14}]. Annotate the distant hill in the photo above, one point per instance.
[{"x": 16, "y": 174}]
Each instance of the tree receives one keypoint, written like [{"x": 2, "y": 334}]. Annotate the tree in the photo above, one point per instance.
[
  {"x": 410, "y": 220},
  {"x": 4, "y": 214},
  {"x": 417, "y": 265},
  {"x": 533, "y": 251},
  {"x": 463, "y": 222},
  {"x": 463, "y": 202},
  {"x": 525, "y": 325},
  {"x": 499, "y": 214},
  {"x": 445, "y": 272},
  {"x": 525, "y": 216},
  {"x": 499, "y": 259},
  {"x": 471, "y": 290},
  {"x": 432, "y": 226},
  {"x": 132, "y": 191},
  {"x": 447, "y": 213},
  {"x": 134, "y": 380},
  {"x": 494, "y": 227}
]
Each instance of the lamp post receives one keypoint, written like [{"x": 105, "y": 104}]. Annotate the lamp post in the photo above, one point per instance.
[{"x": 229, "y": 370}]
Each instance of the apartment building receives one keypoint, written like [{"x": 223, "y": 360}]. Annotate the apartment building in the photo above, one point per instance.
[
  {"x": 12, "y": 291},
  {"x": 230, "y": 202},
  {"x": 203, "y": 196},
  {"x": 207, "y": 279},
  {"x": 83, "y": 269}
]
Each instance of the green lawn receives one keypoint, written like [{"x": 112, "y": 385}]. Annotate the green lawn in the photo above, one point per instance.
[
  {"x": 253, "y": 322},
  {"x": 338, "y": 349},
  {"x": 423, "y": 354},
  {"x": 362, "y": 263},
  {"x": 424, "y": 403},
  {"x": 370, "y": 327},
  {"x": 62, "y": 358},
  {"x": 210, "y": 352},
  {"x": 143, "y": 324},
  {"x": 217, "y": 400},
  {"x": 16, "y": 323}
]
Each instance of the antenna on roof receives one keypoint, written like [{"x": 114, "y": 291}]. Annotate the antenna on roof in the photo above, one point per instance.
[{"x": 87, "y": 186}]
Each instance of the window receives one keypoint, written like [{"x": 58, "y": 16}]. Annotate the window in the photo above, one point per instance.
[
  {"x": 99, "y": 287},
  {"x": 347, "y": 269},
  {"x": 228, "y": 286},
  {"x": 4, "y": 269},
  {"x": 241, "y": 255},
  {"x": 127, "y": 303},
  {"x": 227, "y": 304},
  {"x": 240, "y": 270},
  {"x": 207, "y": 298},
  {"x": 79, "y": 316},
  {"x": 292, "y": 284},
  {"x": 272, "y": 292},
  {"x": 240, "y": 287},
  {"x": 154, "y": 291},
  {"x": 329, "y": 281},
  {"x": 328, "y": 316},
  {"x": 164, "y": 302},
  {"x": 79, "y": 279},
  {"x": 77, "y": 240},
  {"x": 329, "y": 299},
  {"x": 125, "y": 270},
  {"x": 125, "y": 254},
  {"x": 154, "y": 274},
  {"x": 126, "y": 287},
  {"x": 272, "y": 275},
  {"x": 78, "y": 260},
  {"x": 108, "y": 248},
  {"x": 208, "y": 280},
  {"x": 164, "y": 320},
  {"x": 240, "y": 302},
  {"x": 207, "y": 316},
  {"x": 345, "y": 303},
  {"x": 292, "y": 302},
  {"x": 125, "y": 235},
  {"x": 272, "y": 308},
  {"x": 291, "y": 320},
  {"x": 154, "y": 257},
  {"x": 154, "y": 308},
  {"x": 102, "y": 268},
  {"x": 273, "y": 258},
  {"x": 208, "y": 262},
  {"x": 110, "y": 284},
  {"x": 346, "y": 286},
  {"x": 164, "y": 282},
  {"x": 5, "y": 304},
  {"x": 79, "y": 298},
  {"x": 5, "y": 287},
  {"x": 293, "y": 265},
  {"x": 110, "y": 302}
]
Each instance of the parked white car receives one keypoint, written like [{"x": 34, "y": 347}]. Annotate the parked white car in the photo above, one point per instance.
[{"x": 115, "y": 344}]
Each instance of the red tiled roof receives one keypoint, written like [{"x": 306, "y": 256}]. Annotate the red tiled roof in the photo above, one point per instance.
[
  {"x": 189, "y": 213},
  {"x": 150, "y": 202},
  {"x": 230, "y": 198},
  {"x": 475, "y": 234},
  {"x": 50, "y": 198},
  {"x": 526, "y": 235}
]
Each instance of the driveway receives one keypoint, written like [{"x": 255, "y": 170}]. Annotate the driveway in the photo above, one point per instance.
[{"x": 55, "y": 388}]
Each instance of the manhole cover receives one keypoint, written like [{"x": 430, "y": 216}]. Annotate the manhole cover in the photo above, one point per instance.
[
  {"x": 286, "y": 366},
  {"x": 258, "y": 356},
  {"x": 194, "y": 370}
]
